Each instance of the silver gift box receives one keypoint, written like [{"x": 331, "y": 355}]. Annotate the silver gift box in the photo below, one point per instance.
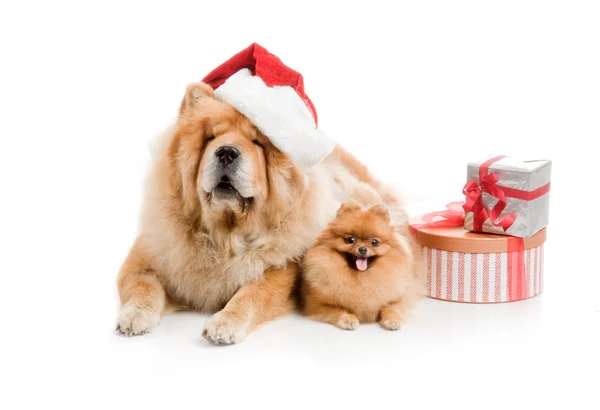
[{"x": 524, "y": 175}]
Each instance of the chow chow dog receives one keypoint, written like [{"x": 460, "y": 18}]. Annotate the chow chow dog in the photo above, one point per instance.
[{"x": 226, "y": 219}]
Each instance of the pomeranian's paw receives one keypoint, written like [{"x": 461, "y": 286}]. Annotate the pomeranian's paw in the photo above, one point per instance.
[
  {"x": 393, "y": 316},
  {"x": 134, "y": 320},
  {"x": 348, "y": 322},
  {"x": 393, "y": 323},
  {"x": 222, "y": 330}
]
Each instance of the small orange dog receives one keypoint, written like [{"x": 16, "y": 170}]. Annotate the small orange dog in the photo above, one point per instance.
[{"x": 361, "y": 269}]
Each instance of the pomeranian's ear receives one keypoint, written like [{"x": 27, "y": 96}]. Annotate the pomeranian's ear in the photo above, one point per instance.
[
  {"x": 349, "y": 206},
  {"x": 193, "y": 93},
  {"x": 380, "y": 210}
]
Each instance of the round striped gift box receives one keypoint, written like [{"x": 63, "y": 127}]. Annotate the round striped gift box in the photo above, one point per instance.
[{"x": 470, "y": 267}]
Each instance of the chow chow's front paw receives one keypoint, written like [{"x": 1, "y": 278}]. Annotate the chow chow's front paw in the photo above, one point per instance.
[
  {"x": 222, "y": 330},
  {"x": 134, "y": 320}
]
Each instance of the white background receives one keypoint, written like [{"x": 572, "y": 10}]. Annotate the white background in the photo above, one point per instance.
[{"x": 415, "y": 91}]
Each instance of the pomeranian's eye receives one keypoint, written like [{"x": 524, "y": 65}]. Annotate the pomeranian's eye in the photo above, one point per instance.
[
  {"x": 350, "y": 239},
  {"x": 257, "y": 142},
  {"x": 374, "y": 242},
  {"x": 209, "y": 139}
]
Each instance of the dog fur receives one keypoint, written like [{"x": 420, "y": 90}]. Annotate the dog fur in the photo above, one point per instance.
[
  {"x": 236, "y": 255},
  {"x": 339, "y": 290}
]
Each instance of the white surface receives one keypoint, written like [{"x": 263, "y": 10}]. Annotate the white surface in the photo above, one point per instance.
[{"x": 415, "y": 92}]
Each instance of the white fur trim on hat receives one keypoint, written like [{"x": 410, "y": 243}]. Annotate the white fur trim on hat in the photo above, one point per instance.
[{"x": 280, "y": 114}]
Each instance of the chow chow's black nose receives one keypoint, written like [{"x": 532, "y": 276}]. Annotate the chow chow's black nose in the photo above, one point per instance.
[
  {"x": 227, "y": 154},
  {"x": 362, "y": 250}
]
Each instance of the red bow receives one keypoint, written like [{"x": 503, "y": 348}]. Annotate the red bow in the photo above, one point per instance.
[
  {"x": 487, "y": 184},
  {"x": 452, "y": 216}
]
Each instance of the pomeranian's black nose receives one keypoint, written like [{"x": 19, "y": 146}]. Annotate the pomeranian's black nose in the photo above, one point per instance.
[
  {"x": 227, "y": 154},
  {"x": 362, "y": 250}
]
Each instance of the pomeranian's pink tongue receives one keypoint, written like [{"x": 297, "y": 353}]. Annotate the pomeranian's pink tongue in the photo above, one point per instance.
[{"x": 361, "y": 263}]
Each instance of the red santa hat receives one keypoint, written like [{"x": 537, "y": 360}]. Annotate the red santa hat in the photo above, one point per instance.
[{"x": 272, "y": 96}]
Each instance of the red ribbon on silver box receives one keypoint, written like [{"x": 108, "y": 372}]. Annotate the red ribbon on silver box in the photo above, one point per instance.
[{"x": 488, "y": 183}]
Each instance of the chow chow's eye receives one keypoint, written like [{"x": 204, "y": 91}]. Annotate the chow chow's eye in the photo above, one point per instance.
[
  {"x": 257, "y": 142},
  {"x": 209, "y": 139},
  {"x": 350, "y": 240},
  {"x": 374, "y": 242}
]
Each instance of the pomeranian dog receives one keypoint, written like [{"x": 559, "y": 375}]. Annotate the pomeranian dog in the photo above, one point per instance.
[{"x": 361, "y": 269}]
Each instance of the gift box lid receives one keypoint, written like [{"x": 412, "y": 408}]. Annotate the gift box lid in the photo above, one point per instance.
[
  {"x": 458, "y": 239},
  {"x": 512, "y": 163},
  {"x": 514, "y": 172}
]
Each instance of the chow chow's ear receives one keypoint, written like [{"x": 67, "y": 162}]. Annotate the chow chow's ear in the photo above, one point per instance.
[
  {"x": 380, "y": 210},
  {"x": 193, "y": 93},
  {"x": 349, "y": 206}
]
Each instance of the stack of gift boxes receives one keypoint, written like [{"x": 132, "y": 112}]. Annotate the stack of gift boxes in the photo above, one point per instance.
[{"x": 489, "y": 248}]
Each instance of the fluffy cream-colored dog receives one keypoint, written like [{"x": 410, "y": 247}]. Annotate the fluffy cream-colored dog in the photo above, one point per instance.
[{"x": 226, "y": 218}]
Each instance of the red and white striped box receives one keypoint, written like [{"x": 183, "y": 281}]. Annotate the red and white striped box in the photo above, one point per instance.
[{"x": 463, "y": 266}]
